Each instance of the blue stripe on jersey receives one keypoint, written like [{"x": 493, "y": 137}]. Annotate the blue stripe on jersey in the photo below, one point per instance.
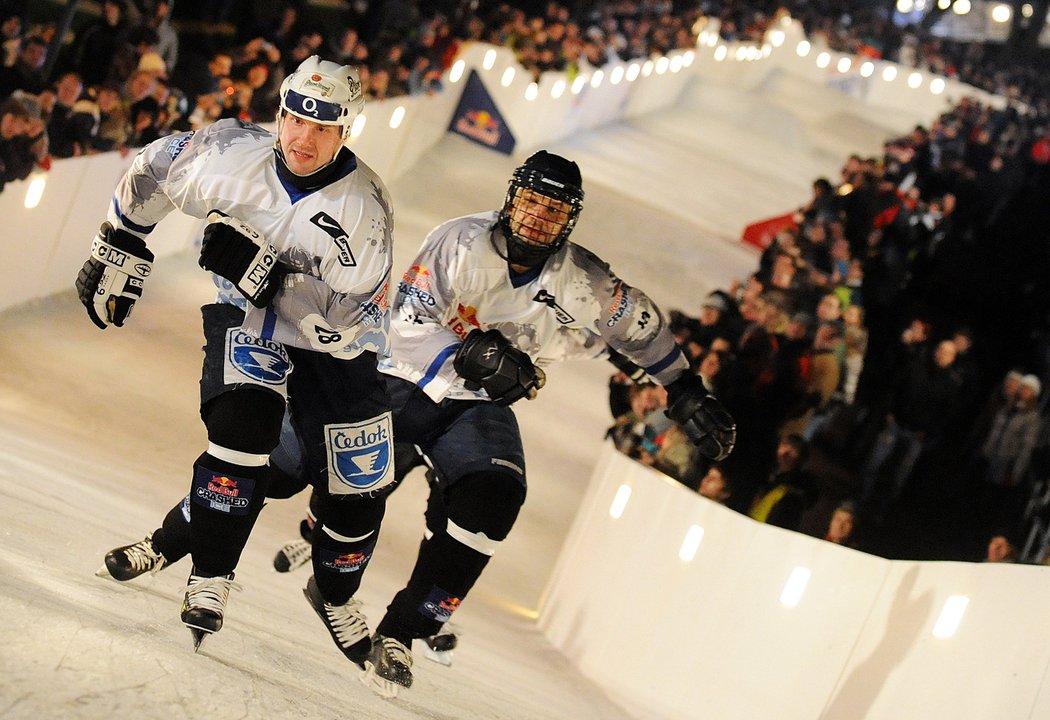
[
  {"x": 520, "y": 279},
  {"x": 144, "y": 229},
  {"x": 666, "y": 362},
  {"x": 295, "y": 194},
  {"x": 269, "y": 323},
  {"x": 435, "y": 366}
]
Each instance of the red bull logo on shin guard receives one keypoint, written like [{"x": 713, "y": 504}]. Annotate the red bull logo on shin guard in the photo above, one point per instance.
[{"x": 439, "y": 605}]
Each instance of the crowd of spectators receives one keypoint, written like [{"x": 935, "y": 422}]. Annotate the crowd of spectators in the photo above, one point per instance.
[
  {"x": 889, "y": 350},
  {"x": 889, "y": 326}
]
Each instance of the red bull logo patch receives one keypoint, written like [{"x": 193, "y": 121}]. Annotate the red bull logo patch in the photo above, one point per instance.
[
  {"x": 478, "y": 118},
  {"x": 440, "y": 605},
  {"x": 224, "y": 485},
  {"x": 466, "y": 320},
  {"x": 225, "y": 493},
  {"x": 346, "y": 562}
]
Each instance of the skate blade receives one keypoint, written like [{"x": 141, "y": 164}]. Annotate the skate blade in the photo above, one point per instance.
[
  {"x": 198, "y": 637},
  {"x": 103, "y": 572},
  {"x": 441, "y": 657},
  {"x": 380, "y": 686}
]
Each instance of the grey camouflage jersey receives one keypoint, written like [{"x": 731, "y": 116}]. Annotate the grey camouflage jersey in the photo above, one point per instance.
[
  {"x": 574, "y": 306},
  {"x": 335, "y": 239}
]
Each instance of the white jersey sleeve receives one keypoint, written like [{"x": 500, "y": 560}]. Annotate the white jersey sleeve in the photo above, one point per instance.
[
  {"x": 335, "y": 239},
  {"x": 570, "y": 307}
]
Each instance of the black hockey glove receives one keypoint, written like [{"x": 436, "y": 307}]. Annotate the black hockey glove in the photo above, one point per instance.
[
  {"x": 701, "y": 416},
  {"x": 111, "y": 280},
  {"x": 487, "y": 360},
  {"x": 237, "y": 252},
  {"x": 626, "y": 366}
]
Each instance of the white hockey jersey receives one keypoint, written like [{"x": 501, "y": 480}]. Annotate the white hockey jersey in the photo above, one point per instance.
[
  {"x": 572, "y": 306},
  {"x": 336, "y": 239}
]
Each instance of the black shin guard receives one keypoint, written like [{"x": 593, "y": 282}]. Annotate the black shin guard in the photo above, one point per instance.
[
  {"x": 226, "y": 500},
  {"x": 343, "y": 537},
  {"x": 173, "y": 538},
  {"x": 446, "y": 568},
  {"x": 338, "y": 565}
]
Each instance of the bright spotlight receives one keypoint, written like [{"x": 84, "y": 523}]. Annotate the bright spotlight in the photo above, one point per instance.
[
  {"x": 1001, "y": 13},
  {"x": 867, "y": 68},
  {"x": 823, "y": 60},
  {"x": 961, "y": 7},
  {"x": 844, "y": 65},
  {"x": 889, "y": 73},
  {"x": 803, "y": 48},
  {"x": 914, "y": 80},
  {"x": 35, "y": 191},
  {"x": 457, "y": 71},
  {"x": 358, "y": 127}
]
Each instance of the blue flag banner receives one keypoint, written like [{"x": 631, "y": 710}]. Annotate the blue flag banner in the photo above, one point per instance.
[{"x": 478, "y": 118}]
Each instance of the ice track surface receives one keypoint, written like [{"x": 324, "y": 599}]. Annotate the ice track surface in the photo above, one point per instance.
[{"x": 98, "y": 431}]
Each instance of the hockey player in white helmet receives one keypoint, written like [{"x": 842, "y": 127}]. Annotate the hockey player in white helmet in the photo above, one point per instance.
[
  {"x": 490, "y": 300},
  {"x": 298, "y": 238}
]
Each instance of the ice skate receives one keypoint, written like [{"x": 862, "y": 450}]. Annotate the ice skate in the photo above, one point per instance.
[
  {"x": 292, "y": 555},
  {"x": 129, "y": 561},
  {"x": 346, "y": 623},
  {"x": 388, "y": 667},
  {"x": 438, "y": 648},
  {"x": 205, "y": 604}
]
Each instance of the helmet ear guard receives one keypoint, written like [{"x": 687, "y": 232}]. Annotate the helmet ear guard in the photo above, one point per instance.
[{"x": 552, "y": 177}]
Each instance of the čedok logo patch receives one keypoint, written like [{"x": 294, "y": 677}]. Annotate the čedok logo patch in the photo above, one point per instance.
[
  {"x": 359, "y": 455},
  {"x": 262, "y": 360}
]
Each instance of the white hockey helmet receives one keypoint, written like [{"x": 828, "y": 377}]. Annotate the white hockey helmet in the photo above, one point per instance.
[{"x": 324, "y": 92}]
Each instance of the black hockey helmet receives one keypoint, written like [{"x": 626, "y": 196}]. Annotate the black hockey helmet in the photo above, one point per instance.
[{"x": 543, "y": 202}]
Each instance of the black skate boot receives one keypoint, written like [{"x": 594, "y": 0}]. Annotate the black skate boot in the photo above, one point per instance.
[
  {"x": 388, "y": 667},
  {"x": 438, "y": 648},
  {"x": 205, "y": 604},
  {"x": 129, "y": 561},
  {"x": 346, "y": 623},
  {"x": 293, "y": 554}
]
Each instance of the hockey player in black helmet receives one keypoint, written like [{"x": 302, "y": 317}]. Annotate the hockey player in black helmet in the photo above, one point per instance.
[{"x": 489, "y": 301}]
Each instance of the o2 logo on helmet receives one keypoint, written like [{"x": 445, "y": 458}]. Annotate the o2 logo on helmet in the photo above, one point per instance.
[
  {"x": 359, "y": 455},
  {"x": 310, "y": 105},
  {"x": 261, "y": 360}
]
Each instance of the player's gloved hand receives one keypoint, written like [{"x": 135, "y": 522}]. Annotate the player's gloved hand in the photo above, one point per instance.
[
  {"x": 487, "y": 360},
  {"x": 237, "y": 252},
  {"x": 701, "y": 416},
  {"x": 111, "y": 280},
  {"x": 624, "y": 364}
]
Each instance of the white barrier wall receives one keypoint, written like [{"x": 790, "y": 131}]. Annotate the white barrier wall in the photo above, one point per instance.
[
  {"x": 766, "y": 624},
  {"x": 49, "y": 241}
]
